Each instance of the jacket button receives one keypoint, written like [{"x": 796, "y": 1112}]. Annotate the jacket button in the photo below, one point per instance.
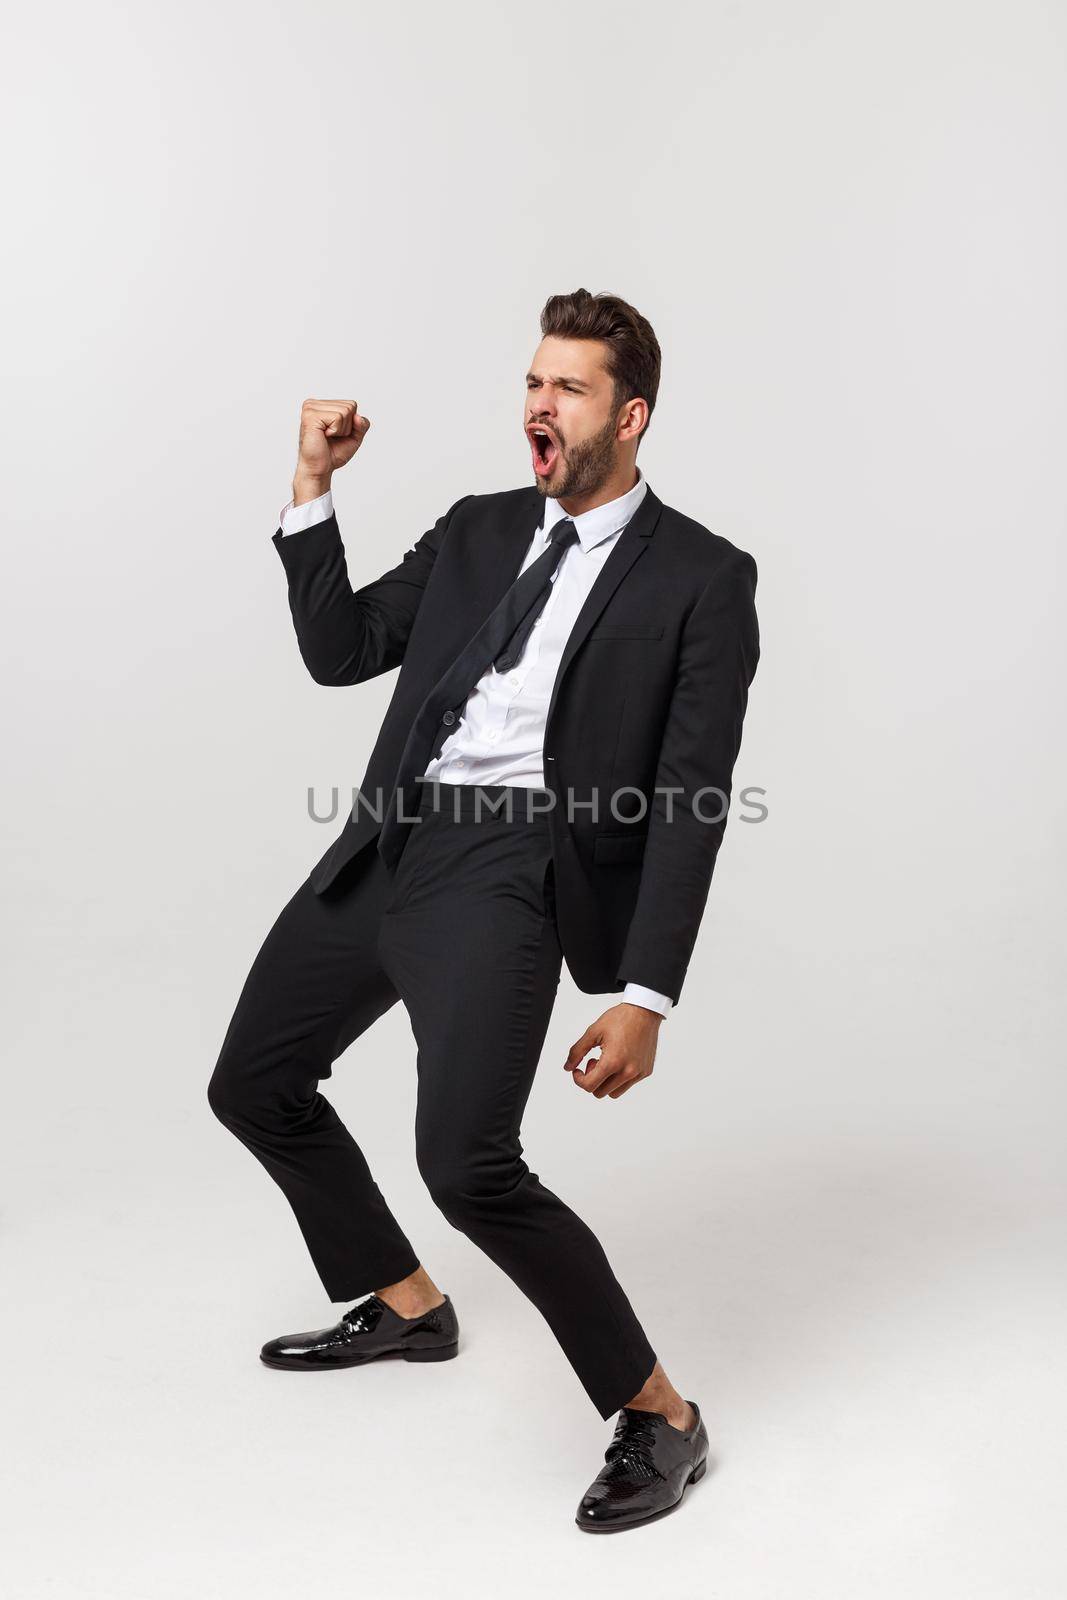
[{"x": 449, "y": 718}]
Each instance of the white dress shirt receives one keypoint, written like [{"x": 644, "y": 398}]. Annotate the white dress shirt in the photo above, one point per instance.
[{"x": 500, "y": 736}]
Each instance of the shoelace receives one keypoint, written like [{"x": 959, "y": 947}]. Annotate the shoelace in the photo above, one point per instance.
[
  {"x": 630, "y": 1451},
  {"x": 357, "y": 1317}
]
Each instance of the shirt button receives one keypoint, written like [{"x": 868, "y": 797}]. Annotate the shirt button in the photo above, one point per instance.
[
  {"x": 461, "y": 763},
  {"x": 513, "y": 680}
]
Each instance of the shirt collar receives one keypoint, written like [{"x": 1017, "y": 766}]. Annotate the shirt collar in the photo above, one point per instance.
[{"x": 597, "y": 525}]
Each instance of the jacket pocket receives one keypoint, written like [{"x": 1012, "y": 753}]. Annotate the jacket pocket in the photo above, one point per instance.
[{"x": 627, "y": 630}]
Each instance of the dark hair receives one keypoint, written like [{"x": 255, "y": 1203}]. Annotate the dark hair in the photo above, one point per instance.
[{"x": 633, "y": 353}]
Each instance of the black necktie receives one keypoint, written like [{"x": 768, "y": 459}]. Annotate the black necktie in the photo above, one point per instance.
[
  {"x": 499, "y": 641},
  {"x": 562, "y": 536}
]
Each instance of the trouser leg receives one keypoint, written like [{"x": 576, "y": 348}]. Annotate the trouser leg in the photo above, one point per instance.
[
  {"x": 314, "y": 987},
  {"x": 470, "y": 943}
]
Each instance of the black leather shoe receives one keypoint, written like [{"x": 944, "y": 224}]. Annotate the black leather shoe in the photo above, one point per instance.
[
  {"x": 369, "y": 1331},
  {"x": 649, "y": 1466}
]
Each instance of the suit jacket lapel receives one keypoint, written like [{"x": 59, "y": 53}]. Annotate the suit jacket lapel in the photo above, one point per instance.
[
  {"x": 629, "y": 547},
  {"x": 509, "y": 550}
]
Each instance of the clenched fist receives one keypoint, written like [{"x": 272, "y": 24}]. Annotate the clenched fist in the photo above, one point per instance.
[{"x": 331, "y": 431}]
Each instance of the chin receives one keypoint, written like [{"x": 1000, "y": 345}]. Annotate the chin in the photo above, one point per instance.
[{"x": 553, "y": 487}]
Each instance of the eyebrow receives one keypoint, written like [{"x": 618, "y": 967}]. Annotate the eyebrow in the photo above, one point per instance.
[{"x": 576, "y": 383}]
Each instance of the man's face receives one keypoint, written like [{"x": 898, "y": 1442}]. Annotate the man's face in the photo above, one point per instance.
[{"x": 570, "y": 417}]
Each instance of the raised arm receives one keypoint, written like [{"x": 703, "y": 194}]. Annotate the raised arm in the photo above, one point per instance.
[{"x": 346, "y": 636}]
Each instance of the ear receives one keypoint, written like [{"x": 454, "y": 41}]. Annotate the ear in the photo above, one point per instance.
[{"x": 632, "y": 420}]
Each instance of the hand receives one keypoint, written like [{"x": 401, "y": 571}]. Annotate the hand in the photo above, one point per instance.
[
  {"x": 331, "y": 431},
  {"x": 627, "y": 1036}
]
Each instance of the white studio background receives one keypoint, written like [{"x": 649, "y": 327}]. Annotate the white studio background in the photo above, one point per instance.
[{"x": 838, "y": 1205}]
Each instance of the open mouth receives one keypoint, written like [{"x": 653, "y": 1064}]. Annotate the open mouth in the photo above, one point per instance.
[{"x": 545, "y": 451}]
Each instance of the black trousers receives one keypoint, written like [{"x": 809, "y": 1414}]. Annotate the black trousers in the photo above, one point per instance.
[{"x": 465, "y": 934}]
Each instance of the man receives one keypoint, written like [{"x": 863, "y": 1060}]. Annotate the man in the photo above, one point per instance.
[{"x": 550, "y": 781}]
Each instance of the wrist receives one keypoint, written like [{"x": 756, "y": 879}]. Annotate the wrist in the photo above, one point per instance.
[
  {"x": 306, "y": 487},
  {"x": 646, "y": 1011}
]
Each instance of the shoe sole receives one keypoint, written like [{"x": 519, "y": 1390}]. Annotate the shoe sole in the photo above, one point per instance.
[
  {"x": 653, "y": 1516},
  {"x": 444, "y": 1352}
]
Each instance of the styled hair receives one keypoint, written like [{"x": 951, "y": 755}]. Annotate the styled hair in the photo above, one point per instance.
[{"x": 633, "y": 353}]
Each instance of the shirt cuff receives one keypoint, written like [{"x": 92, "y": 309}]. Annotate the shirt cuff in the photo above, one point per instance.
[
  {"x": 636, "y": 995},
  {"x": 295, "y": 519}
]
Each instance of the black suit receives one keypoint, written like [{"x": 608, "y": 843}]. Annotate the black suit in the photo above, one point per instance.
[
  {"x": 471, "y": 928},
  {"x": 651, "y": 692}
]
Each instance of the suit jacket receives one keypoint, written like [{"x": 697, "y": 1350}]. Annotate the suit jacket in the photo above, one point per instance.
[{"x": 650, "y": 696}]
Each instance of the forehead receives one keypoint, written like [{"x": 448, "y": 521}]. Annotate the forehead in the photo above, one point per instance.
[{"x": 579, "y": 361}]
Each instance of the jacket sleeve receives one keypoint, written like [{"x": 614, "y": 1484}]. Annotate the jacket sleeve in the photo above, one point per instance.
[
  {"x": 701, "y": 739},
  {"x": 344, "y": 635}
]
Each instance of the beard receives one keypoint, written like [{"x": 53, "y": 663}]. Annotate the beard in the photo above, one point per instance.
[{"x": 585, "y": 469}]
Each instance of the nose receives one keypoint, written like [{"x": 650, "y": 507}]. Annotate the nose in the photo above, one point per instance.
[{"x": 543, "y": 409}]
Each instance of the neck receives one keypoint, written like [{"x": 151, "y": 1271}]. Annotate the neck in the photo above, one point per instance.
[{"x": 620, "y": 483}]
